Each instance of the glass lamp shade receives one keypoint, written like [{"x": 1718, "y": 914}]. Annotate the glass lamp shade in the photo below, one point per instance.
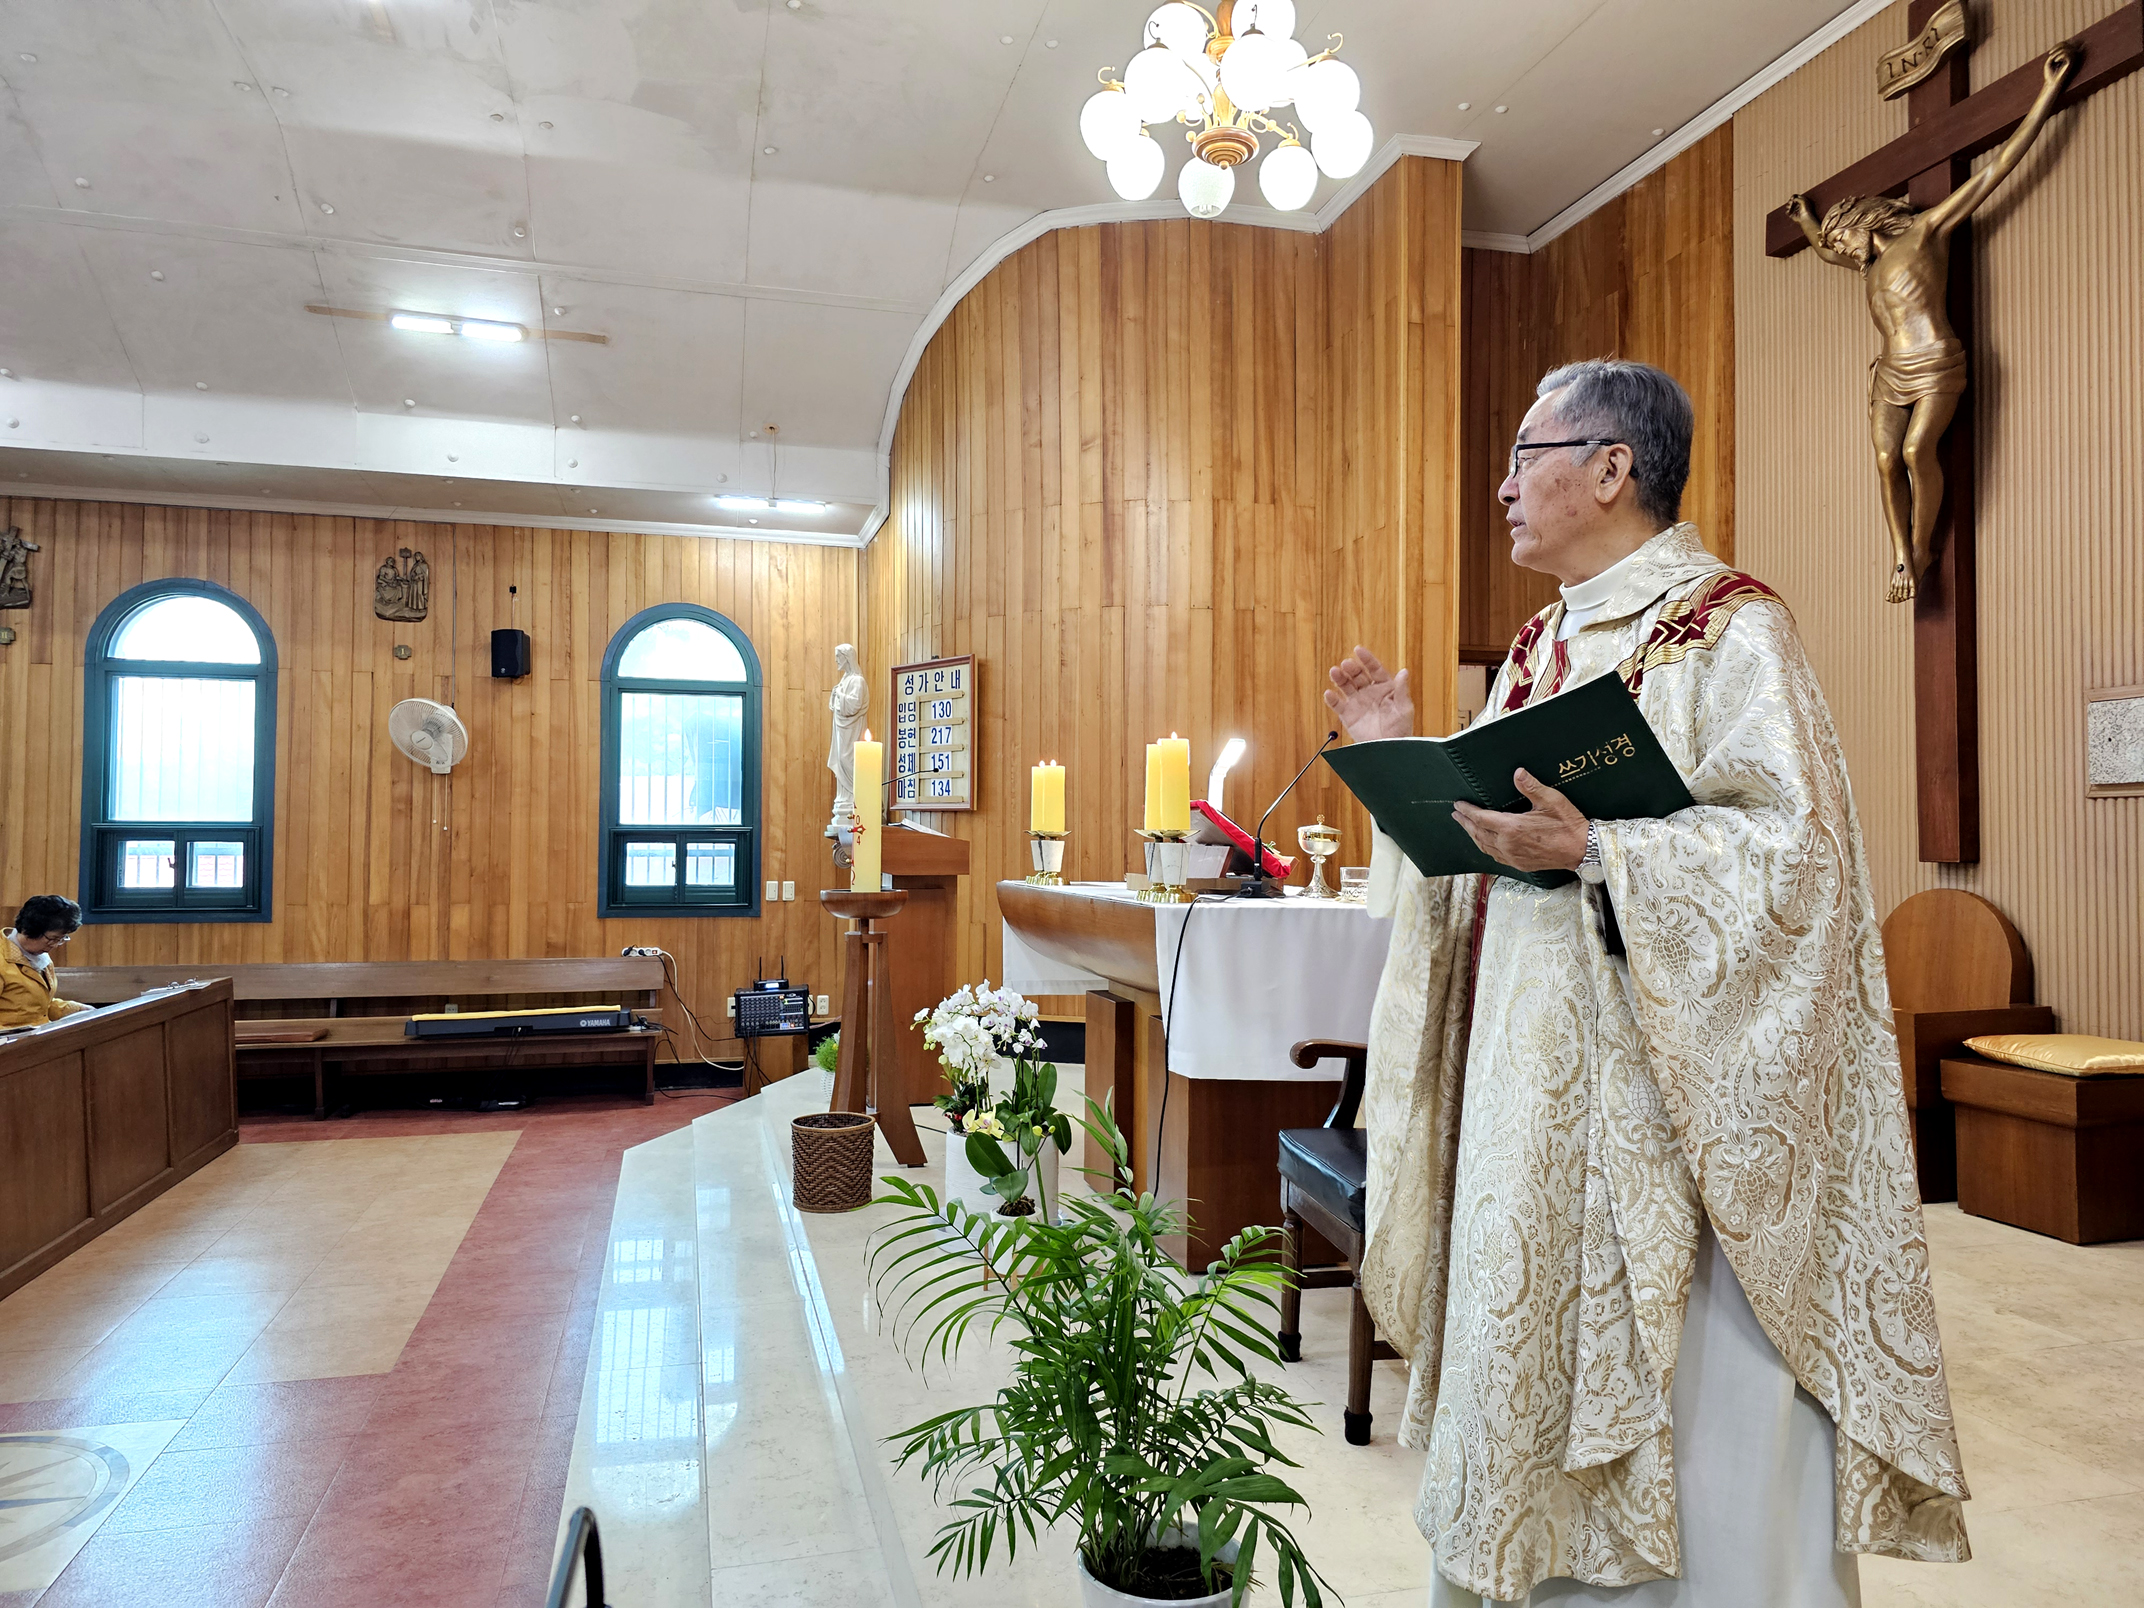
[
  {"x": 1343, "y": 145},
  {"x": 1273, "y": 18},
  {"x": 1286, "y": 177},
  {"x": 1135, "y": 171},
  {"x": 1178, "y": 26},
  {"x": 1324, "y": 92},
  {"x": 1162, "y": 83},
  {"x": 1108, "y": 123},
  {"x": 1253, "y": 69},
  {"x": 1205, "y": 189}
]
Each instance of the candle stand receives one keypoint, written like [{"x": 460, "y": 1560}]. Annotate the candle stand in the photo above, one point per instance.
[
  {"x": 1048, "y": 852},
  {"x": 1166, "y": 856},
  {"x": 866, "y": 1062}
]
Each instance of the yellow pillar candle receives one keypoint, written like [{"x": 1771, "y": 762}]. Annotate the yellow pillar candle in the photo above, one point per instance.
[
  {"x": 870, "y": 812},
  {"x": 1174, "y": 755},
  {"x": 1153, "y": 786},
  {"x": 1046, "y": 808}
]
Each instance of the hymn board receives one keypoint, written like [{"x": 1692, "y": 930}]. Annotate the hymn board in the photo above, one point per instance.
[{"x": 934, "y": 734}]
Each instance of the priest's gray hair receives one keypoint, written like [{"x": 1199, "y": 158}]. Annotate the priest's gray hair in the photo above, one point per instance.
[{"x": 1639, "y": 406}]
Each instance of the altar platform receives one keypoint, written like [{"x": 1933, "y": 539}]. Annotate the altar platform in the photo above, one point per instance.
[{"x": 732, "y": 1422}]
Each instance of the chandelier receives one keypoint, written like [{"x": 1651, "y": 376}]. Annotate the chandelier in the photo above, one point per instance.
[{"x": 1220, "y": 75}]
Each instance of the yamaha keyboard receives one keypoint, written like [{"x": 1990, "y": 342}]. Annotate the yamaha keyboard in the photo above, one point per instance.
[{"x": 504, "y": 1024}]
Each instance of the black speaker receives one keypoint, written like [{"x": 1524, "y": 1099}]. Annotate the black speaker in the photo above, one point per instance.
[{"x": 509, "y": 655}]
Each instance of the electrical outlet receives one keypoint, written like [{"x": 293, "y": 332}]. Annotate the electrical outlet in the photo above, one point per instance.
[
  {"x": 789, "y": 891},
  {"x": 822, "y": 1004},
  {"x": 774, "y": 891},
  {"x": 732, "y": 1003}
]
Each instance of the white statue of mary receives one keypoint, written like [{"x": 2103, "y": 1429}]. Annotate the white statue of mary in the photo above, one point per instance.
[{"x": 846, "y": 703}]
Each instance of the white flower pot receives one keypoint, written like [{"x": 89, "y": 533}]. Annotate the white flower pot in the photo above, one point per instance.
[
  {"x": 1093, "y": 1594},
  {"x": 964, "y": 1184}
]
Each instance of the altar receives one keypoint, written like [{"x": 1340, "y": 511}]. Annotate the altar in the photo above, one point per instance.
[{"x": 1190, "y": 1012}]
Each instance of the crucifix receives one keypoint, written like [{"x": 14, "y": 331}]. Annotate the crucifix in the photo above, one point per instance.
[{"x": 1919, "y": 252}]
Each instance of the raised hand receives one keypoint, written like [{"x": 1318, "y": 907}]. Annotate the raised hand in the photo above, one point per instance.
[
  {"x": 2061, "y": 62},
  {"x": 1369, "y": 700}
]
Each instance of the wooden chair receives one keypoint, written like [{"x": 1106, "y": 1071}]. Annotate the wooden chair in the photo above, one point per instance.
[
  {"x": 1324, "y": 1176},
  {"x": 1958, "y": 969}
]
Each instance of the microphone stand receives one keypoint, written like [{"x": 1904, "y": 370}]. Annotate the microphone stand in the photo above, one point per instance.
[{"x": 1257, "y": 885}]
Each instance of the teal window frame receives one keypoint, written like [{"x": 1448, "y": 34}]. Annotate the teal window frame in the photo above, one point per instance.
[
  {"x": 103, "y": 838},
  {"x": 616, "y": 899}
]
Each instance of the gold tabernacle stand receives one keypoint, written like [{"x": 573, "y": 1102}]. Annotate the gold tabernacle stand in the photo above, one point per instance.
[{"x": 865, "y": 1066}]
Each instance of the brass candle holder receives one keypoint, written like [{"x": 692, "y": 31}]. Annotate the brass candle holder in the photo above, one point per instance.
[
  {"x": 1048, "y": 852},
  {"x": 1166, "y": 856}
]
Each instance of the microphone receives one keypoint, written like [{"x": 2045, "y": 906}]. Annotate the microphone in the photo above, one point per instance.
[{"x": 1256, "y": 886}]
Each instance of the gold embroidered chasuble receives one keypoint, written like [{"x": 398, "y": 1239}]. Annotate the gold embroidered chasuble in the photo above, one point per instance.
[{"x": 1546, "y": 1122}]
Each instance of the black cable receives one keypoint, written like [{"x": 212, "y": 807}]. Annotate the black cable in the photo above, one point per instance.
[{"x": 1169, "y": 1016}]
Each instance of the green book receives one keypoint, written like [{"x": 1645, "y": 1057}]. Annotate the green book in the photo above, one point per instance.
[{"x": 1591, "y": 744}]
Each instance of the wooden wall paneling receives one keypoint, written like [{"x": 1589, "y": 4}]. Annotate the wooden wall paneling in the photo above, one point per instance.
[
  {"x": 1649, "y": 277},
  {"x": 2058, "y": 389},
  {"x": 1114, "y": 478},
  {"x": 376, "y": 859}
]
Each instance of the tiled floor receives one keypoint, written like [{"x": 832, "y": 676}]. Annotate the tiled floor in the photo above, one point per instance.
[
  {"x": 347, "y": 1363},
  {"x": 345, "y": 1357}
]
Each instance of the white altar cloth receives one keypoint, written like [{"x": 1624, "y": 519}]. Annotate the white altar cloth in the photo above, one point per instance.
[{"x": 1254, "y": 976}]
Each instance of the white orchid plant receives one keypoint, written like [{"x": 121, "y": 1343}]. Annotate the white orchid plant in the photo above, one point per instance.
[{"x": 971, "y": 1028}]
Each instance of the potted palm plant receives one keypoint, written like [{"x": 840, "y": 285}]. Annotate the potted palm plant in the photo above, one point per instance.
[{"x": 1132, "y": 1413}]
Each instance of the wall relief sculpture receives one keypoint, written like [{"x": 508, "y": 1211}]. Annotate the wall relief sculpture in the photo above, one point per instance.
[{"x": 402, "y": 591}]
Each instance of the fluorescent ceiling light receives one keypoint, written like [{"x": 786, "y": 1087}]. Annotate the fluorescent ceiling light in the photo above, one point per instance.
[
  {"x": 797, "y": 505},
  {"x": 743, "y": 502},
  {"x": 474, "y": 329}
]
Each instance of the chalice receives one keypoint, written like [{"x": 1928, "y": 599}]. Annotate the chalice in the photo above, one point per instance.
[{"x": 1321, "y": 843}]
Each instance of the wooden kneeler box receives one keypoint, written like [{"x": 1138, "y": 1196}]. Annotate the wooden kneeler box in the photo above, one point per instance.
[{"x": 2057, "y": 1154}]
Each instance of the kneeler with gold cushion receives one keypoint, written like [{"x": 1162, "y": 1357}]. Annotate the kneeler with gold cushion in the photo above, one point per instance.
[{"x": 2051, "y": 1133}]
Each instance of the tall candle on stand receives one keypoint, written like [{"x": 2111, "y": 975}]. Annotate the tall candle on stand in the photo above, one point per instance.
[
  {"x": 1173, "y": 767},
  {"x": 870, "y": 812},
  {"x": 1153, "y": 786},
  {"x": 1046, "y": 806}
]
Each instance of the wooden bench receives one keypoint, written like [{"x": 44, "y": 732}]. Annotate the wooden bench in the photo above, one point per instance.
[
  {"x": 2056, "y": 1154},
  {"x": 299, "y": 1017}
]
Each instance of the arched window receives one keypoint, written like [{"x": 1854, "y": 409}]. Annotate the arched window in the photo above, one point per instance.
[
  {"x": 680, "y": 766},
  {"x": 178, "y": 757}
]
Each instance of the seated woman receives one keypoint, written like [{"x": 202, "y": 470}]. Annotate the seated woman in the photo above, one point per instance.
[{"x": 43, "y": 925}]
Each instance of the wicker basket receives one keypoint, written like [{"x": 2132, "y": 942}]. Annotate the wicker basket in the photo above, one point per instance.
[{"x": 832, "y": 1152}]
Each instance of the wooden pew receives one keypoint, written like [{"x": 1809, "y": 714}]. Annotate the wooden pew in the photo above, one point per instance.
[
  {"x": 102, "y": 1112},
  {"x": 1958, "y": 969},
  {"x": 300, "y": 1016}
]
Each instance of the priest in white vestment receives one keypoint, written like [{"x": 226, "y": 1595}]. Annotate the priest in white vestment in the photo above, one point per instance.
[{"x": 1645, "y": 1224}]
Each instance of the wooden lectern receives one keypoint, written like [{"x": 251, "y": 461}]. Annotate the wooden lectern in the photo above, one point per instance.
[{"x": 919, "y": 951}]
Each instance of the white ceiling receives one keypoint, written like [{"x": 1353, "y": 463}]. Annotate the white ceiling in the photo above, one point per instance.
[{"x": 180, "y": 181}]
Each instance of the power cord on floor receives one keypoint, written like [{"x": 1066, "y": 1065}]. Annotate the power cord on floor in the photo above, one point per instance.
[{"x": 1168, "y": 1018}]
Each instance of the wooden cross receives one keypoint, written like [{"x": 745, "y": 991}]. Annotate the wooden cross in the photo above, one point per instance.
[{"x": 1949, "y": 127}]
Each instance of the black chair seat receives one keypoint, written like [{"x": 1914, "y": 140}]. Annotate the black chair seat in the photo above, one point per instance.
[{"x": 1330, "y": 1165}]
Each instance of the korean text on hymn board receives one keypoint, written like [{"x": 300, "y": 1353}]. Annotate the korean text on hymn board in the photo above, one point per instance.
[{"x": 934, "y": 734}]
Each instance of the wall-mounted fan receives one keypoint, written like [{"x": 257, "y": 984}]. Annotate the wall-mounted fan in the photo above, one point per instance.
[{"x": 429, "y": 733}]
